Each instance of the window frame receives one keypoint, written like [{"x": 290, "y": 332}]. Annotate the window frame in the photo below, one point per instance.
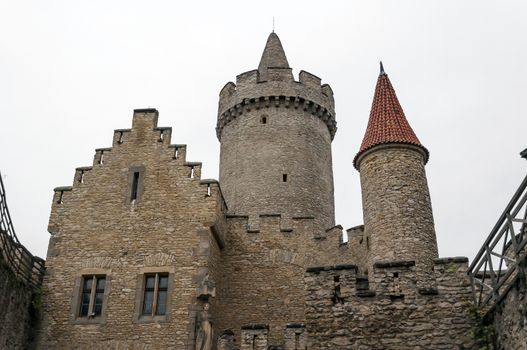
[
  {"x": 136, "y": 185},
  {"x": 144, "y": 273},
  {"x": 78, "y": 291}
]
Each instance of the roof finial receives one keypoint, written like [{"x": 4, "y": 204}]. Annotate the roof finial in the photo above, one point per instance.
[
  {"x": 273, "y": 24},
  {"x": 382, "y": 68}
]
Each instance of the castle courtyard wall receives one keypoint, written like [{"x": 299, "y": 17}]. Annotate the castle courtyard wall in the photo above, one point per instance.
[
  {"x": 17, "y": 314},
  {"x": 342, "y": 313},
  {"x": 263, "y": 273}
]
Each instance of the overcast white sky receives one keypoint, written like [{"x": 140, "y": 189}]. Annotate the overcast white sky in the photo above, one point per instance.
[{"x": 72, "y": 71}]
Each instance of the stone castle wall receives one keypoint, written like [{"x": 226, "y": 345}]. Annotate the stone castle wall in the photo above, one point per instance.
[
  {"x": 17, "y": 314},
  {"x": 263, "y": 273},
  {"x": 509, "y": 318},
  {"x": 343, "y": 313},
  {"x": 97, "y": 229}
]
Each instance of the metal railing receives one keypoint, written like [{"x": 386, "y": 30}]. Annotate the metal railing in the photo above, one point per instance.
[
  {"x": 501, "y": 259},
  {"x": 27, "y": 268}
]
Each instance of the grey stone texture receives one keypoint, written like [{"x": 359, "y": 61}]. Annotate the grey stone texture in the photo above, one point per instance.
[
  {"x": 276, "y": 136},
  {"x": 397, "y": 210},
  {"x": 16, "y": 323},
  {"x": 397, "y": 315},
  {"x": 509, "y": 318}
]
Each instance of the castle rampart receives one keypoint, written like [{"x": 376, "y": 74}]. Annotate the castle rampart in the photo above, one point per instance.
[{"x": 342, "y": 313}]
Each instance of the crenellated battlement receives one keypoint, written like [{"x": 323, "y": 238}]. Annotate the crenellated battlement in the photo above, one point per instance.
[
  {"x": 279, "y": 90},
  {"x": 393, "y": 279},
  {"x": 272, "y": 223}
]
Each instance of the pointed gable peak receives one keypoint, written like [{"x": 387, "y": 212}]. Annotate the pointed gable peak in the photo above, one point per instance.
[
  {"x": 387, "y": 123},
  {"x": 273, "y": 55}
]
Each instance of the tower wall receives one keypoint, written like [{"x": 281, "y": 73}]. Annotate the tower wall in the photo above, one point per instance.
[
  {"x": 276, "y": 146},
  {"x": 398, "y": 216}
]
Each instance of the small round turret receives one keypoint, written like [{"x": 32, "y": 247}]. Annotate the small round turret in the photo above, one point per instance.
[
  {"x": 398, "y": 217},
  {"x": 275, "y": 136}
]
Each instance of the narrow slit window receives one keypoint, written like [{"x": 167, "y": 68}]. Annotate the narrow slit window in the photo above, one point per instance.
[
  {"x": 176, "y": 153},
  {"x": 101, "y": 159},
  {"x": 192, "y": 172},
  {"x": 135, "y": 185},
  {"x": 161, "y": 136},
  {"x": 81, "y": 178},
  {"x": 284, "y": 177},
  {"x": 120, "y": 137},
  {"x": 208, "y": 190},
  {"x": 61, "y": 198}
]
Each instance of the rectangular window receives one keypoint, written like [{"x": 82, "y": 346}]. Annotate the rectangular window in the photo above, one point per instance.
[
  {"x": 135, "y": 184},
  {"x": 92, "y": 296},
  {"x": 155, "y": 294}
]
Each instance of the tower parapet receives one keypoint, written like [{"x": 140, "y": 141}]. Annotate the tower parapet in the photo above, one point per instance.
[
  {"x": 275, "y": 135},
  {"x": 280, "y": 89}
]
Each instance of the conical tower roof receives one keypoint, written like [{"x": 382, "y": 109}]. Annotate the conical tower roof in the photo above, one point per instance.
[
  {"x": 387, "y": 123},
  {"x": 273, "y": 55}
]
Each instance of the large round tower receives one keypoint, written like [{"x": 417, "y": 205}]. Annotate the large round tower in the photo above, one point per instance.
[
  {"x": 275, "y": 136},
  {"x": 398, "y": 218}
]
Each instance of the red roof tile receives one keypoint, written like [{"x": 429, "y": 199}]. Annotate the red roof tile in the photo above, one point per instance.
[{"x": 387, "y": 122}]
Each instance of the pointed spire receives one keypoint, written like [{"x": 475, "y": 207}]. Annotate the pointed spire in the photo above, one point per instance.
[
  {"x": 273, "y": 55},
  {"x": 387, "y": 123}
]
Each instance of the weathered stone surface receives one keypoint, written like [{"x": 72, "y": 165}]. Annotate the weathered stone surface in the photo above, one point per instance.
[
  {"x": 172, "y": 227},
  {"x": 397, "y": 316},
  {"x": 398, "y": 220},
  {"x": 16, "y": 322},
  {"x": 510, "y": 317}
]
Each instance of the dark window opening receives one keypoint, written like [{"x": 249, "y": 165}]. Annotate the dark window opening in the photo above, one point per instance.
[
  {"x": 161, "y": 136},
  {"x": 92, "y": 296},
  {"x": 81, "y": 178},
  {"x": 176, "y": 153},
  {"x": 101, "y": 159},
  {"x": 263, "y": 119},
  {"x": 135, "y": 184},
  {"x": 284, "y": 177},
  {"x": 155, "y": 294},
  {"x": 337, "y": 298},
  {"x": 120, "y": 137},
  {"x": 396, "y": 274},
  {"x": 61, "y": 198}
]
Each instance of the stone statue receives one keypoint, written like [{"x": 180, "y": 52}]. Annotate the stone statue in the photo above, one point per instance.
[{"x": 204, "y": 329}]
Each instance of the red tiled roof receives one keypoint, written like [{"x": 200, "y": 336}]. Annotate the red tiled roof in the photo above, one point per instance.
[{"x": 387, "y": 122}]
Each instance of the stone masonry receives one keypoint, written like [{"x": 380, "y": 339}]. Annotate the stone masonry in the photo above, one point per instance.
[
  {"x": 172, "y": 227},
  {"x": 144, "y": 254}
]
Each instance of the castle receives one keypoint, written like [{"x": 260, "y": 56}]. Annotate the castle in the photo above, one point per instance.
[{"x": 144, "y": 254}]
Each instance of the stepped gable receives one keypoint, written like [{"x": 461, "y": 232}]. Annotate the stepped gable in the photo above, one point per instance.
[{"x": 387, "y": 123}]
